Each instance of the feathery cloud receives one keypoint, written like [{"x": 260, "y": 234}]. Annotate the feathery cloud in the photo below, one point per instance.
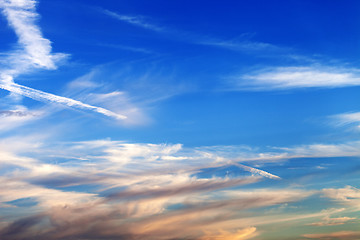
[
  {"x": 134, "y": 20},
  {"x": 347, "y": 119},
  {"x": 242, "y": 45},
  {"x": 281, "y": 78}
]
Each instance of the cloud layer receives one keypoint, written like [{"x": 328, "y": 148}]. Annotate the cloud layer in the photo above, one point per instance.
[{"x": 141, "y": 191}]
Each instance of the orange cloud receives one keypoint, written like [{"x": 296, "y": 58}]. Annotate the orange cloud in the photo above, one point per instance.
[
  {"x": 336, "y": 235},
  {"x": 242, "y": 234}
]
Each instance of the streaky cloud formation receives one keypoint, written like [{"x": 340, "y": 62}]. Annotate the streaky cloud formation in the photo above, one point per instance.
[
  {"x": 343, "y": 119},
  {"x": 327, "y": 221},
  {"x": 141, "y": 181},
  {"x": 282, "y": 78},
  {"x": 257, "y": 171},
  {"x": 133, "y": 20}
]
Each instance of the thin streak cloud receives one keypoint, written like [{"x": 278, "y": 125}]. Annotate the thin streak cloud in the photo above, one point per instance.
[
  {"x": 133, "y": 20},
  {"x": 257, "y": 171},
  {"x": 282, "y": 78},
  {"x": 347, "y": 119}
]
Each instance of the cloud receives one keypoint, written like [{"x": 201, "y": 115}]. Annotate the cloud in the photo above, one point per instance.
[
  {"x": 348, "y": 195},
  {"x": 126, "y": 48},
  {"x": 138, "y": 90},
  {"x": 327, "y": 221},
  {"x": 138, "y": 21},
  {"x": 347, "y": 119},
  {"x": 334, "y": 235},
  {"x": 282, "y": 78},
  {"x": 22, "y": 17},
  {"x": 322, "y": 150},
  {"x": 241, "y": 45},
  {"x": 36, "y": 53},
  {"x": 48, "y": 97},
  {"x": 19, "y": 229},
  {"x": 142, "y": 191},
  {"x": 257, "y": 171},
  {"x": 242, "y": 234},
  {"x": 17, "y": 117}
]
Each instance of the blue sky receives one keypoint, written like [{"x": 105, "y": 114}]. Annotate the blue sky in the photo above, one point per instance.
[{"x": 179, "y": 120}]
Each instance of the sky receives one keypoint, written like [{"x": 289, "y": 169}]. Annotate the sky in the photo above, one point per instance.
[{"x": 179, "y": 120}]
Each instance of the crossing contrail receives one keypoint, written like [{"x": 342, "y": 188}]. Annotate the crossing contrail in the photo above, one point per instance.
[{"x": 35, "y": 53}]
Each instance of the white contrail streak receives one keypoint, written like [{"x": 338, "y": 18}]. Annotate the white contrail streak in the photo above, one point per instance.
[
  {"x": 48, "y": 97},
  {"x": 257, "y": 171}
]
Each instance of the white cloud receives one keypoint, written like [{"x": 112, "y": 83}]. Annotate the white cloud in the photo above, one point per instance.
[
  {"x": 323, "y": 150},
  {"x": 241, "y": 45},
  {"x": 257, "y": 171},
  {"x": 347, "y": 119},
  {"x": 133, "y": 20},
  {"x": 22, "y": 17},
  {"x": 298, "y": 77}
]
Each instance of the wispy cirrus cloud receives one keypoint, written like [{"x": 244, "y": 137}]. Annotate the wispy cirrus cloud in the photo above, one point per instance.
[
  {"x": 139, "y": 21},
  {"x": 323, "y": 150},
  {"x": 241, "y": 44},
  {"x": 282, "y": 78},
  {"x": 345, "y": 119}
]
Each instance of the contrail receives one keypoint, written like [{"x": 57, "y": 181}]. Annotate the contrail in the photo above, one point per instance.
[
  {"x": 48, "y": 97},
  {"x": 257, "y": 171},
  {"x": 22, "y": 17}
]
